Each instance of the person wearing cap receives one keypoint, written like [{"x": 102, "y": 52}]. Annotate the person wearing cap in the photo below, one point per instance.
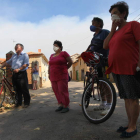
[
  {"x": 19, "y": 63},
  {"x": 59, "y": 64}
]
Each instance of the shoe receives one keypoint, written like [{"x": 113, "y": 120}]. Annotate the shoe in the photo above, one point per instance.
[
  {"x": 17, "y": 105},
  {"x": 121, "y": 129},
  {"x": 105, "y": 112},
  {"x": 59, "y": 108},
  {"x": 100, "y": 107},
  {"x": 64, "y": 110},
  {"x": 128, "y": 134},
  {"x": 25, "y": 106}
]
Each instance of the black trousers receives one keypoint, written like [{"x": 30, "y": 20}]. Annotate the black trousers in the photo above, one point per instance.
[
  {"x": 20, "y": 83},
  {"x": 100, "y": 72}
]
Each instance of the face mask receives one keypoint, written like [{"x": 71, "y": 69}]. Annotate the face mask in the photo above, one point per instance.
[
  {"x": 93, "y": 28},
  {"x": 55, "y": 48},
  {"x": 115, "y": 17}
]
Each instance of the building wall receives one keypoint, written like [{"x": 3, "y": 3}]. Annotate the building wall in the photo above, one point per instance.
[
  {"x": 78, "y": 67},
  {"x": 44, "y": 71}
]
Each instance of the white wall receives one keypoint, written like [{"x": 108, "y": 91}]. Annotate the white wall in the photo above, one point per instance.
[{"x": 44, "y": 71}]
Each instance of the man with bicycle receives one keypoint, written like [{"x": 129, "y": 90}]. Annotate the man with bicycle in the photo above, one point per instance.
[
  {"x": 97, "y": 46},
  {"x": 19, "y": 63}
]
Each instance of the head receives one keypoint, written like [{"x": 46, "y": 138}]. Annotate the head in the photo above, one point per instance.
[
  {"x": 57, "y": 46},
  {"x": 97, "y": 24},
  {"x": 121, "y": 9},
  {"x": 19, "y": 48},
  {"x": 35, "y": 65}
]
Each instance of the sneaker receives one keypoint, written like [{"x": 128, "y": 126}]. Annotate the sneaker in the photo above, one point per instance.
[
  {"x": 25, "y": 106},
  {"x": 100, "y": 107},
  {"x": 59, "y": 108},
  {"x": 64, "y": 110},
  {"x": 105, "y": 112},
  {"x": 17, "y": 105}
]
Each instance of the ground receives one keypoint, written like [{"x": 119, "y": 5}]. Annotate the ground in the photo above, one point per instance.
[{"x": 41, "y": 122}]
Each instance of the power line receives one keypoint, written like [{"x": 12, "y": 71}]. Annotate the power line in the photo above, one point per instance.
[
  {"x": 136, "y": 16},
  {"x": 134, "y": 11},
  {"x": 138, "y": 19}
]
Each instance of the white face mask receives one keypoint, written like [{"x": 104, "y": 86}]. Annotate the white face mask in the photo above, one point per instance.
[
  {"x": 115, "y": 17},
  {"x": 55, "y": 48}
]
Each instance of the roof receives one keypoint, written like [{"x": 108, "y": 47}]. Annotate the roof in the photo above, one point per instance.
[
  {"x": 38, "y": 53},
  {"x": 2, "y": 59},
  {"x": 33, "y": 53},
  {"x": 74, "y": 54},
  {"x": 74, "y": 57}
]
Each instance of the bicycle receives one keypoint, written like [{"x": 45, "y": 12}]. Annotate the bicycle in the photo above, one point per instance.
[
  {"x": 6, "y": 97},
  {"x": 96, "y": 90}
]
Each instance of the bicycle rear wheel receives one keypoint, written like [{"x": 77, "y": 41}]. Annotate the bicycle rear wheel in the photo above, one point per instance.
[
  {"x": 2, "y": 94},
  {"x": 95, "y": 112}
]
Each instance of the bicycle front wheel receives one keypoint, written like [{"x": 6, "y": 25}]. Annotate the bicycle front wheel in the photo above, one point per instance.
[
  {"x": 101, "y": 98},
  {"x": 2, "y": 94}
]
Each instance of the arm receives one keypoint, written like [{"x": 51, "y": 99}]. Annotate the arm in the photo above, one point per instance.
[
  {"x": 48, "y": 69},
  {"x": 21, "y": 68},
  {"x": 32, "y": 70},
  {"x": 113, "y": 29},
  {"x": 69, "y": 60},
  {"x": 7, "y": 63},
  {"x": 4, "y": 65},
  {"x": 49, "y": 72},
  {"x": 36, "y": 69}
]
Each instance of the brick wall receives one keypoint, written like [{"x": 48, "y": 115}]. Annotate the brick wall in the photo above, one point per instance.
[{"x": 8, "y": 71}]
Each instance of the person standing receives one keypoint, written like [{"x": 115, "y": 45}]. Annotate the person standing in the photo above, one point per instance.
[
  {"x": 99, "y": 36},
  {"x": 19, "y": 63},
  {"x": 59, "y": 64},
  {"x": 123, "y": 43},
  {"x": 35, "y": 76}
]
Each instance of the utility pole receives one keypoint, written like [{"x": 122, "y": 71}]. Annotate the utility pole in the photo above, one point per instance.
[{"x": 14, "y": 42}]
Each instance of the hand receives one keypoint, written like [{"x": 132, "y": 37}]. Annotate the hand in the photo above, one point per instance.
[
  {"x": 16, "y": 71},
  {"x": 115, "y": 24}
]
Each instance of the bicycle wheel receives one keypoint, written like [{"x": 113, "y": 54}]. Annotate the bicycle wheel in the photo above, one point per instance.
[
  {"x": 103, "y": 90},
  {"x": 2, "y": 94}
]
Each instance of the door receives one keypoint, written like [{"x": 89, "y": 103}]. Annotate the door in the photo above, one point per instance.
[
  {"x": 77, "y": 75},
  {"x": 82, "y": 75},
  {"x": 71, "y": 74}
]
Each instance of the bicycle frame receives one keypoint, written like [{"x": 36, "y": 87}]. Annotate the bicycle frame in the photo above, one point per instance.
[{"x": 94, "y": 74}]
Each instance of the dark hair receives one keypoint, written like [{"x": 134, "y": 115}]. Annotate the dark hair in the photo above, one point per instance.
[
  {"x": 20, "y": 45},
  {"x": 122, "y": 7},
  {"x": 59, "y": 44},
  {"x": 99, "y": 20}
]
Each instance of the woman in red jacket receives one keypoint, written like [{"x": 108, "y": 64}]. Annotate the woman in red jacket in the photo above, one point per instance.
[
  {"x": 123, "y": 43},
  {"x": 59, "y": 64}
]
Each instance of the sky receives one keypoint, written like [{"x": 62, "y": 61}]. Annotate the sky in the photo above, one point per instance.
[{"x": 38, "y": 23}]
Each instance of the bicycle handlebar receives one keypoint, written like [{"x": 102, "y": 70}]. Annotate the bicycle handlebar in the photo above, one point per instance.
[{"x": 7, "y": 69}]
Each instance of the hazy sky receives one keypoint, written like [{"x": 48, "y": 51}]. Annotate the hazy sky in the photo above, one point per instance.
[{"x": 37, "y": 23}]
